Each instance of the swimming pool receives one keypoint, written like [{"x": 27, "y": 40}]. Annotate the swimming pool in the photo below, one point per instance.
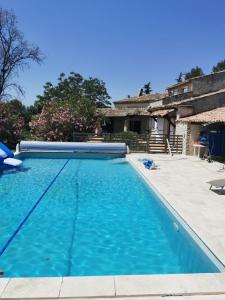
[{"x": 71, "y": 215}]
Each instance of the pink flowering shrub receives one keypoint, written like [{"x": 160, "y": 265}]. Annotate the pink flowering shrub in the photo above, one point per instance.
[
  {"x": 11, "y": 124},
  {"x": 58, "y": 121}
]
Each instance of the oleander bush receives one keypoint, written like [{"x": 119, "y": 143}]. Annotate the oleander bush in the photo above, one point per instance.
[
  {"x": 12, "y": 122},
  {"x": 58, "y": 120}
]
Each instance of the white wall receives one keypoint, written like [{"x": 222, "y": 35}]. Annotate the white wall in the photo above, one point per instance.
[
  {"x": 160, "y": 125},
  {"x": 182, "y": 129}
]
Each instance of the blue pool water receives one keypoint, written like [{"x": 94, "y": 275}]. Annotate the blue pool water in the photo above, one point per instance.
[{"x": 79, "y": 217}]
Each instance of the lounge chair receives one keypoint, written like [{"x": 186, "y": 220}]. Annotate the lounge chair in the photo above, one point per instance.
[{"x": 218, "y": 183}]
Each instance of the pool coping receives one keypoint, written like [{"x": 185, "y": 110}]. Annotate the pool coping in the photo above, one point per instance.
[{"x": 114, "y": 286}]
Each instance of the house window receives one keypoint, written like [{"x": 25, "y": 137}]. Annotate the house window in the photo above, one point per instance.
[{"x": 186, "y": 89}]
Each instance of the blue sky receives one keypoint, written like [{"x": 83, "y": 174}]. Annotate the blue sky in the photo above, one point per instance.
[{"x": 126, "y": 43}]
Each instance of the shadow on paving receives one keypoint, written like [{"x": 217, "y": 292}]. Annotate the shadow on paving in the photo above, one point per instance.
[{"x": 218, "y": 191}]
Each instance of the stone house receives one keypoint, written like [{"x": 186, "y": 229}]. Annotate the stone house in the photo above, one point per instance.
[
  {"x": 167, "y": 113},
  {"x": 131, "y": 114}
]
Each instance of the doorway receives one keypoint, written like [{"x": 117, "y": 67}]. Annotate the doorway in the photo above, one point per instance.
[{"x": 135, "y": 126}]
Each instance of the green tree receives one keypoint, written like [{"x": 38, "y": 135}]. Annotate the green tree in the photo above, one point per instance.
[
  {"x": 220, "y": 66},
  {"x": 147, "y": 88},
  {"x": 180, "y": 77},
  {"x": 18, "y": 108},
  {"x": 141, "y": 92},
  {"x": 73, "y": 88},
  {"x": 195, "y": 72}
]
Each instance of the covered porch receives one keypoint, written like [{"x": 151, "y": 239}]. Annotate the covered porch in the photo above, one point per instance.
[
  {"x": 123, "y": 120},
  {"x": 140, "y": 121}
]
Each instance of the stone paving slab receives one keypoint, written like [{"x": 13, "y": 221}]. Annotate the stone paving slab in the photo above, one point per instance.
[
  {"x": 94, "y": 286},
  {"x": 26, "y": 288},
  {"x": 202, "y": 297},
  {"x": 162, "y": 285},
  {"x": 3, "y": 284},
  {"x": 115, "y": 287}
]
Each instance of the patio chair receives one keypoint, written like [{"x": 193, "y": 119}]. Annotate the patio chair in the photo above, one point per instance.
[{"x": 218, "y": 183}]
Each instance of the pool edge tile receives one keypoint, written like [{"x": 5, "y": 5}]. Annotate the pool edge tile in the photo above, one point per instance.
[
  {"x": 3, "y": 283},
  {"x": 162, "y": 285},
  {"x": 87, "y": 286},
  {"x": 23, "y": 288}
]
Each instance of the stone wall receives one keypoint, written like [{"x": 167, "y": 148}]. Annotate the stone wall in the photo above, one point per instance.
[
  {"x": 184, "y": 111},
  {"x": 207, "y": 103},
  {"x": 156, "y": 103},
  {"x": 209, "y": 83},
  {"x": 176, "y": 98}
]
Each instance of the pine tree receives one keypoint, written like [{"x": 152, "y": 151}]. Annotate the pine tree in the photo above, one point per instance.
[
  {"x": 147, "y": 88},
  {"x": 195, "y": 72},
  {"x": 180, "y": 77},
  {"x": 220, "y": 66},
  {"x": 141, "y": 92}
]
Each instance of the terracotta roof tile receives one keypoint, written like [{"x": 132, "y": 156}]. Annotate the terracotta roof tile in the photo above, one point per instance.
[
  {"x": 144, "y": 98},
  {"x": 161, "y": 112},
  {"x": 113, "y": 112},
  {"x": 212, "y": 116}
]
